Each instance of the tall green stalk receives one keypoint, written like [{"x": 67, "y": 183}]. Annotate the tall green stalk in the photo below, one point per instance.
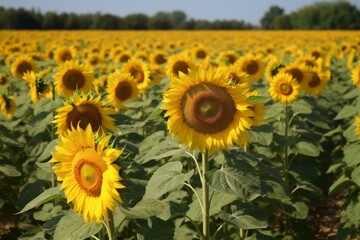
[
  {"x": 206, "y": 200},
  {"x": 286, "y": 157}
]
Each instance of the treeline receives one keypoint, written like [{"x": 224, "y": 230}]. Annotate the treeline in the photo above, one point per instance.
[
  {"x": 321, "y": 15},
  {"x": 33, "y": 19}
]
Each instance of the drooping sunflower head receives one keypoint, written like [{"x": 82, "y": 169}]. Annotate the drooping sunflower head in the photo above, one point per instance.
[
  {"x": 121, "y": 87},
  {"x": 72, "y": 76},
  {"x": 139, "y": 70},
  {"x": 7, "y": 105},
  {"x": 88, "y": 172},
  {"x": 4, "y": 79},
  {"x": 318, "y": 81},
  {"x": 357, "y": 127},
  {"x": 39, "y": 87},
  {"x": 258, "y": 108},
  {"x": 206, "y": 112},
  {"x": 253, "y": 65},
  {"x": 284, "y": 88},
  {"x": 179, "y": 63},
  {"x": 82, "y": 110},
  {"x": 21, "y": 65},
  {"x": 273, "y": 67},
  {"x": 355, "y": 76},
  {"x": 64, "y": 54}
]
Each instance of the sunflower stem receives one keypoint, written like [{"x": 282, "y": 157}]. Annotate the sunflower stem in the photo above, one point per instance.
[
  {"x": 53, "y": 182},
  {"x": 111, "y": 230},
  {"x": 206, "y": 200},
  {"x": 286, "y": 158}
]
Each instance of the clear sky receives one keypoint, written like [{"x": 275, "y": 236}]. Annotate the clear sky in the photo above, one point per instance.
[{"x": 248, "y": 10}]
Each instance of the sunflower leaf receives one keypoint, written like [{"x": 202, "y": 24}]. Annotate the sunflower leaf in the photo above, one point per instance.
[
  {"x": 47, "y": 195},
  {"x": 165, "y": 179},
  {"x": 72, "y": 226}
]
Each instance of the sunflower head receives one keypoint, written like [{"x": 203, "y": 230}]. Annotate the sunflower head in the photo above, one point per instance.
[
  {"x": 22, "y": 65},
  {"x": 121, "y": 87},
  {"x": 258, "y": 108},
  {"x": 206, "y": 112},
  {"x": 357, "y": 127},
  {"x": 82, "y": 110},
  {"x": 90, "y": 178},
  {"x": 252, "y": 65},
  {"x": 139, "y": 70},
  {"x": 4, "y": 79},
  {"x": 158, "y": 57},
  {"x": 317, "y": 82},
  {"x": 7, "y": 105},
  {"x": 39, "y": 87},
  {"x": 179, "y": 63},
  {"x": 64, "y": 54},
  {"x": 284, "y": 88},
  {"x": 227, "y": 57},
  {"x": 72, "y": 76},
  {"x": 355, "y": 76},
  {"x": 272, "y": 68}
]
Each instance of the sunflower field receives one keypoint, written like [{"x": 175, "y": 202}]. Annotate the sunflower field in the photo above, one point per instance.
[{"x": 179, "y": 135}]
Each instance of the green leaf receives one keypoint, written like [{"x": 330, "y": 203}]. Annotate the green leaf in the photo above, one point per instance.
[
  {"x": 340, "y": 184},
  {"x": 239, "y": 182},
  {"x": 301, "y": 107},
  {"x": 45, "y": 156},
  {"x": 307, "y": 149},
  {"x": 352, "y": 155},
  {"x": 157, "y": 229},
  {"x": 247, "y": 217},
  {"x": 217, "y": 201},
  {"x": 259, "y": 99},
  {"x": 262, "y": 134},
  {"x": 9, "y": 170},
  {"x": 298, "y": 210},
  {"x": 73, "y": 227},
  {"x": 165, "y": 179},
  {"x": 346, "y": 112},
  {"x": 52, "y": 222},
  {"x": 355, "y": 175},
  {"x": 47, "y": 195},
  {"x": 148, "y": 208}
]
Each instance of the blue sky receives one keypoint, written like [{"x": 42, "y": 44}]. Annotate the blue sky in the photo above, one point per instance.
[{"x": 248, "y": 10}]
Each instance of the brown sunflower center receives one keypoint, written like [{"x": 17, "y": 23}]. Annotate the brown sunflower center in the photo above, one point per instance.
[
  {"x": 89, "y": 177},
  {"x": 201, "y": 54},
  {"x": 315, "y": 54},
  {"x": 24, "y": 67},
  {"x": 84, "y": 114},
  {"x": 123, "y": 91},
  {"x": 180, "y": 66},
  {"x": 66, "y": 56},
  {"x": 74, "y": 79},
  {"x": 138, "y": 74},
  {"x": 159, "y": 59},
  {"x": 231, "y": 58},
  {"x": 285, "y": 89},
  {"x": 309, "y": 63},
  {"x": 124, "y": 58},
  {"x": 315, "y": 80},
  {"x": 296, "y": 74},
  {"x": 3, "y": 80},
  {"x": 251, "y": 67},
  {"x": 207, "y": 108},
  {"x": 93, "y": 60}
]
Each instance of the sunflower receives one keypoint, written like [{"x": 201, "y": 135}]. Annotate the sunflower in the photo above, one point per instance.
[
  {"x": 158, "y": 57},
  {"x": 123, "y": 57},
  {"x": 235, "y": 75},
  {"x": 139, "y": 70},
  {"x": 357, "y": 127},
  {"x": 258, "y": 109},
  {"x": 4, "y": 79},
  {"x": 72, "y": 76},
  {"x": 38, "y": 86},
  {"x": 318, "y": 81},
  {"x": 121, "y": 87},
  {"x": 272, "y": 68},
  {"x": 64, "y": 54},
  {"x": 7, "y": 105},
  {"x": 311, "y": 62},
  {"x": 206, "y": 112},
  {"x": 21, "y": 65},
  {"x": 200, "y": 53},
  {"x": 179, "y": 63},
  {"x": 83, "y": 110},
  {"x": 143, "y": 55},
  {"x": 284, "y": 88},
  {"x": 90, "y": 178},
  {"x": 227, "y": 57},
  {"x": 355, "y": 76},
  {"x": 252, "y": 65},
  {"x": 299, "y": 72}
]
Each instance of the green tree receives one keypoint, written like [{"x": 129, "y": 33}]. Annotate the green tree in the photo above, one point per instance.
[
  {"x": 136, "y": 21},
  {"x": 267, "y": 20}
]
